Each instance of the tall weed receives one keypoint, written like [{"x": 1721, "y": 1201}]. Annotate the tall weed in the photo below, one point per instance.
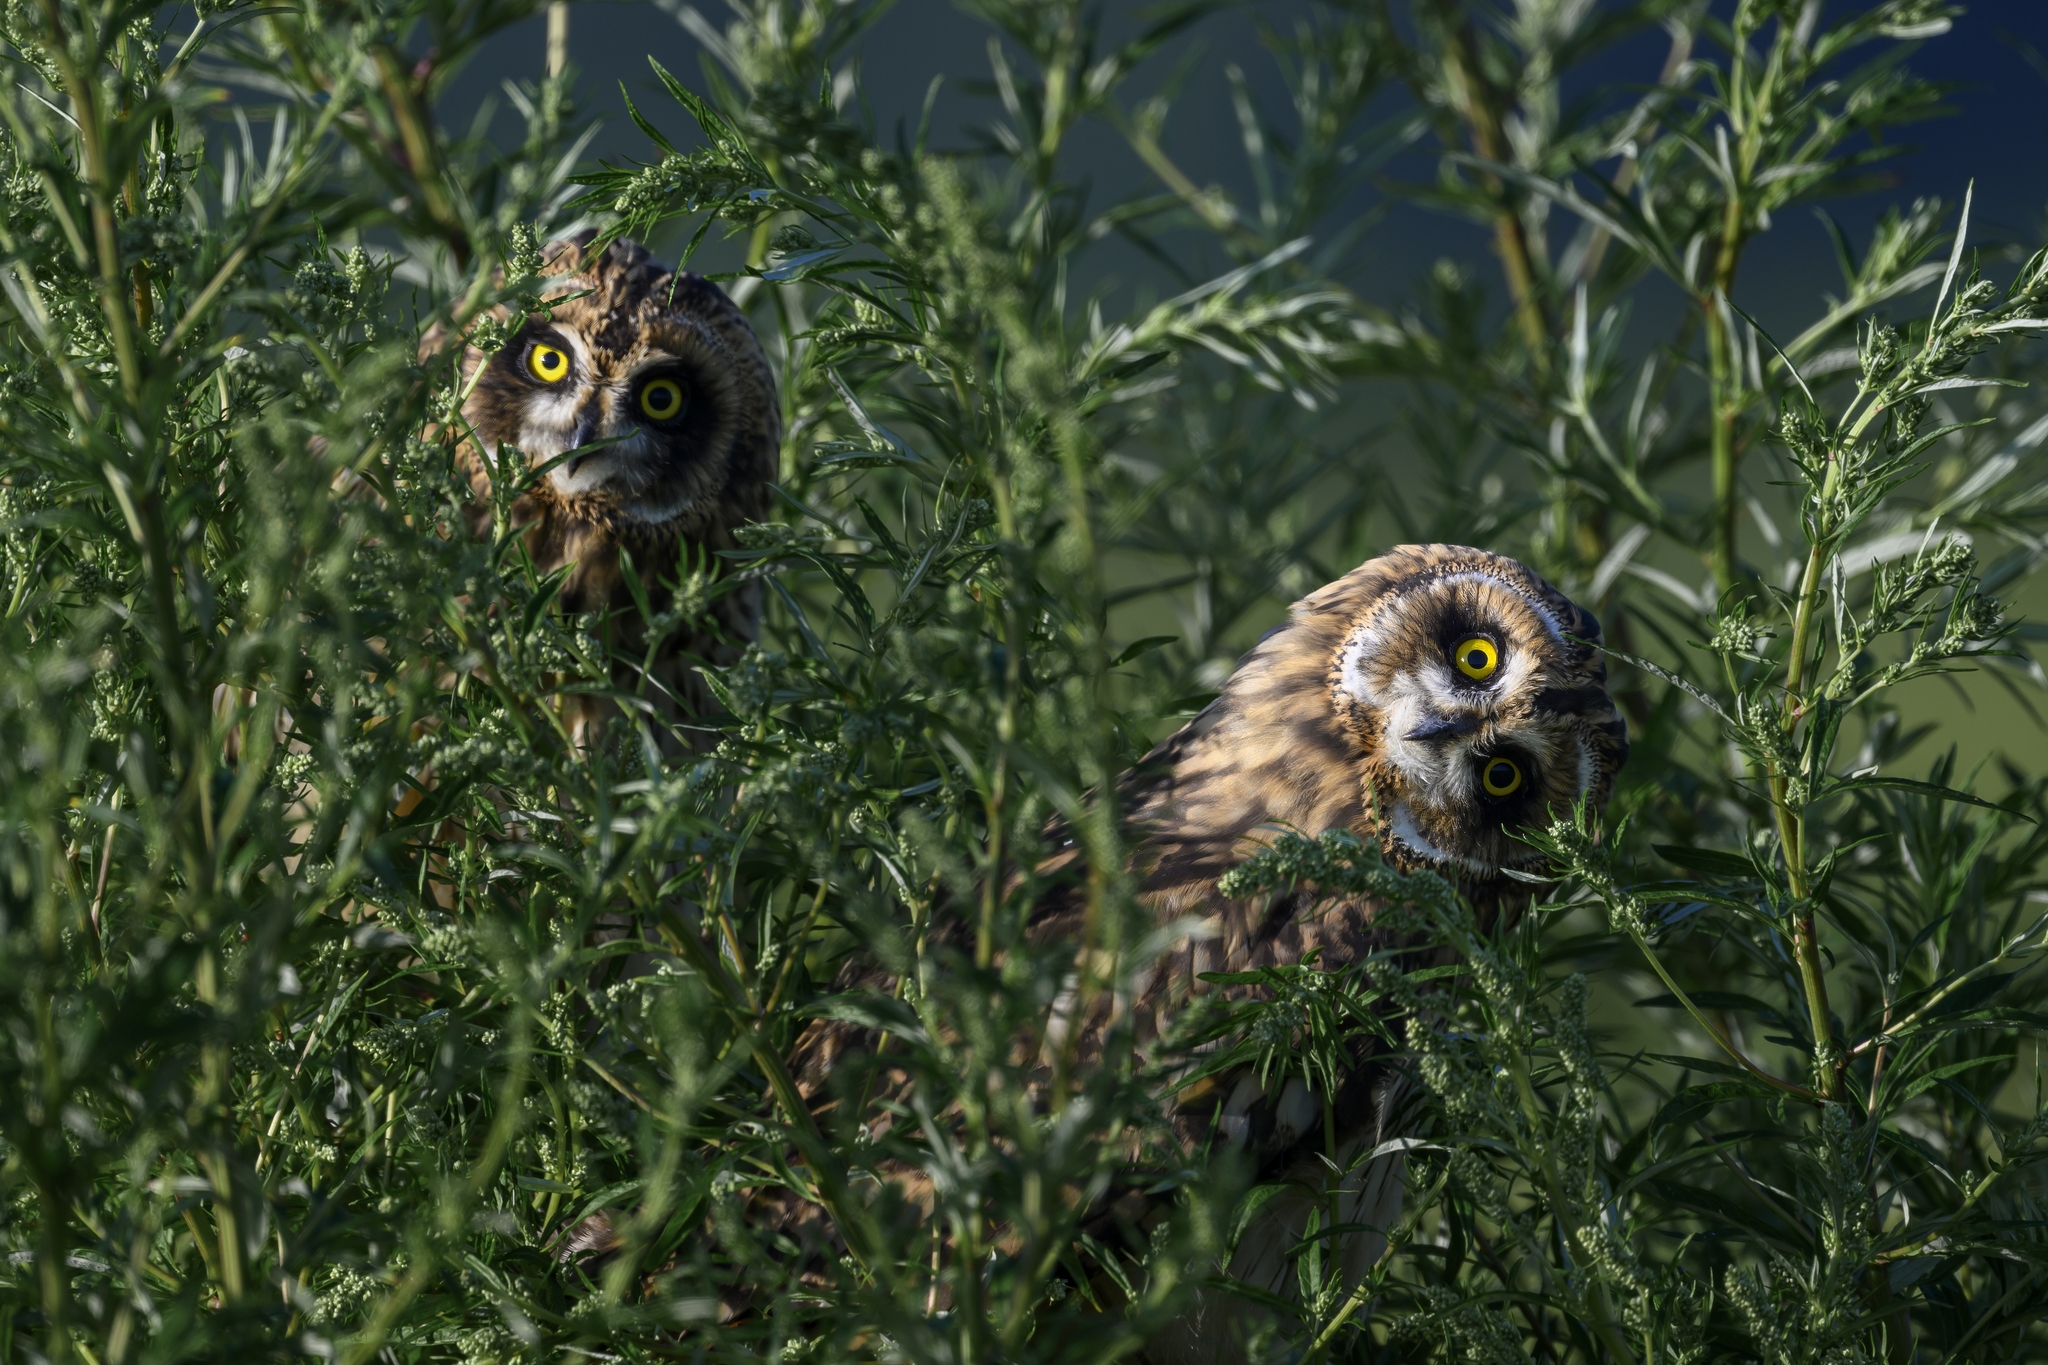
[{"x": 323, "y": 1040}]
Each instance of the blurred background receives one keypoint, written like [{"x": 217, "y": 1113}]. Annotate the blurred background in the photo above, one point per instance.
[
  {"x": 1993, "y": 133},
  {"x": 1994, "y": 63}
]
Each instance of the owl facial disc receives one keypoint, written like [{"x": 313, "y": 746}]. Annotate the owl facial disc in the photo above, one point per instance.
[
  {"x": 640, "y": 395},
  {"x": 616, "y": 424},
  {"x": 1479, "y": 699}
]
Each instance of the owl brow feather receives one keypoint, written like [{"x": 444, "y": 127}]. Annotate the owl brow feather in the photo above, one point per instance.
[
  {"x": 1522, "y": 592},
  {"x": 1373, "y": 625}
]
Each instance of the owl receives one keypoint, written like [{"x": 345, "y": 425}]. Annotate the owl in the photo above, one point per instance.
[
  {"x": 1433, "y": 701},
  {"x": 644, "y": 404}
]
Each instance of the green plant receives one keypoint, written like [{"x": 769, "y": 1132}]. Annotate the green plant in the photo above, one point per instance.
[{"x": 323, "y": 947}]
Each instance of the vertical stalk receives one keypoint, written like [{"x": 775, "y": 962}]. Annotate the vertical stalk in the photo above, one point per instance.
[
  {"x": 1095, "y": 660},
  {"x": 54, "y": 1211},
  {"x": 1750, "y": 112},
  {"x": 558, "y": 36},
  {"x": 102, "y": 183},
  {"x": 131, "y": 197},
  {"x": 827, "y": 1173},
  {"x": 416, "y": 136},
  {"x": 1724, "y": 370},
  {"x": 1606, "y": 1327},
  {"x": 1509, "y": 237},
  {"x": 213, "y": 1098},
  {"x": 455, "y": 1204},
  {"x": 994, "y": 809},
  {"x": 1513, "y": 245},
  {"x": 1829, "y": 1062}
]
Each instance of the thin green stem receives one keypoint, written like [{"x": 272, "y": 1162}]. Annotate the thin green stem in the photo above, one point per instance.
[
  {"x": 416, "y": 135},
  {"x": 455, "y": 1203},
  {"x": 1728, "y": 396},
  {"x": 1563, "y": 1208},
  {"x": 1790, "y": 816},
  {"x": 1934, "y": 1001},
  {"x": 826, "y": 1171},
  {"x": 102, "y": 183},
  {"x": 1714, "y": 1030}
]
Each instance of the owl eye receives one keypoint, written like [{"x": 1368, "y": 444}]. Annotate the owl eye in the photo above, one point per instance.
[
  {"x": 661, "y": 399},
  {"x": 1476, "y": 658},
  {"x": 1500, "y": 777},
  {"x": 547, "y": 363}
]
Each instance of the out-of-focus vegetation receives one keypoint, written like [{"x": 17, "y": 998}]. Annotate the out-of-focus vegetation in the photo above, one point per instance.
[{"x": 315, "y": 1047}]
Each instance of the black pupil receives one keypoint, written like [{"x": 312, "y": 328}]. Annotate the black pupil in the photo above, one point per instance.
[
  {"x": 1500, "y": 774},
  {"x": 1477, "y": 658},
  {"x": 550, "y": 359}
]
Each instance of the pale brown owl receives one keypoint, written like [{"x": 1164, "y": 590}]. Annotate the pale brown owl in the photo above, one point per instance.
[
  {"x": 1432, "y": 701},
  {"x": 647, "y": 400}
]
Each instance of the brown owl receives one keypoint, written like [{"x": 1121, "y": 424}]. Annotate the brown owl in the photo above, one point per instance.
[
  {"x": 1432, "y": 701},
  {"x": 645, "y": 398}
]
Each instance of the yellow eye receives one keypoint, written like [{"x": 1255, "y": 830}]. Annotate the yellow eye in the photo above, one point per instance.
[
  {"x": 1477, "y": 658},
  {"x": 547, "y": 363},
  {"x": 662, "y": 399},
  {"x": 1500, "y": 777}
]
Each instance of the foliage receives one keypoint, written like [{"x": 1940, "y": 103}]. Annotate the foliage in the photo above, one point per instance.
[{"x": 342, "y": 984}]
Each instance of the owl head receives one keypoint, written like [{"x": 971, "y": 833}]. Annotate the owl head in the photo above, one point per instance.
[
  {"x": 1435, "y": 699},
  {"x": 1477, "y": 696},
  {"x": 643, "y": 397}
]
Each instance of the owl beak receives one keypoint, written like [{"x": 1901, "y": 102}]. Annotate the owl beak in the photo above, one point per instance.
[
  {"x": 1444, "y": 727},
  {"x": 585, "y": 433}
]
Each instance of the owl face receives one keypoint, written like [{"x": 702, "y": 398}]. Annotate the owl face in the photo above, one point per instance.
[
  {"x": 640, "y": 396},
  {"x": 1480, "y": 704}
]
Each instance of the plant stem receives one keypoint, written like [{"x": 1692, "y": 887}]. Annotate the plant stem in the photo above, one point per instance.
[
  {"x": 1714, "y": 1030},
  {"x": 453, "y": 1212},
  {"x": 558, "y": 36},
  {"x": 1510, "y": 239},
  {"x": 1563, "y": 1208},
  {"x": 1792, "y": 823},
  {"x": 102, "y": 185},
  {"x": 1829, "y": 1061},
  {"x": 826, "y": 1171},
  {"x": 1724, "y": 368},
  {"x": 1934, "y": 1000},
  {"x": 1813, "y": 980},
  {"x": 994, "y": 806},
  {"x": 416, "y": 135}
]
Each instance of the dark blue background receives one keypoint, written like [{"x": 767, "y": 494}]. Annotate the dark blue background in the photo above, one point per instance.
[{"x": 1995, "y": 60}]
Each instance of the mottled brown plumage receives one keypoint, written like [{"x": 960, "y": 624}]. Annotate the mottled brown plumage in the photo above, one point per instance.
[
  {"x": 1354, "y": 715},
  {"x": 667, "y": 478}
]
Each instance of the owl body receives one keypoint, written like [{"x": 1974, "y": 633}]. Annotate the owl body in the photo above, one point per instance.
[
  {"x": 647, "y": 405},
  {"x": 1432, "y": 702}
]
